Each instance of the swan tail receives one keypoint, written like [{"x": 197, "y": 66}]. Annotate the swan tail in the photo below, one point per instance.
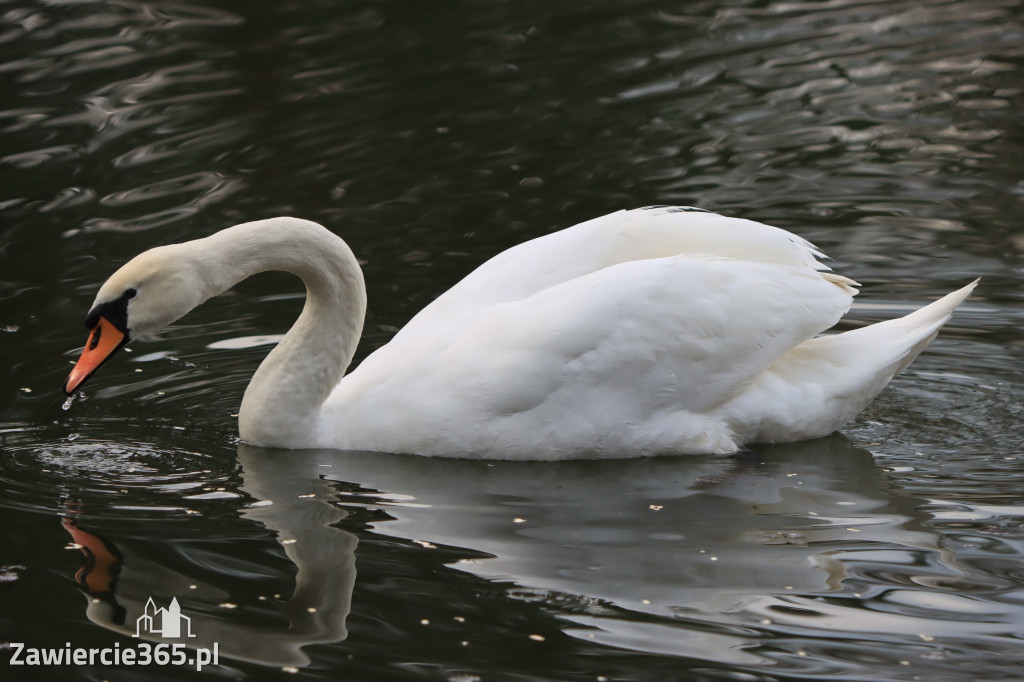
[{"x": 822, "y": 383}]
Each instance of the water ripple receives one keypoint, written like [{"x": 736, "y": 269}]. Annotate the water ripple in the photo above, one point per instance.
[{"x": 106, "y": 478}]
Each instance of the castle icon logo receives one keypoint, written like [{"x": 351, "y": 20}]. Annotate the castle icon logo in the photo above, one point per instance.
[{"x": 167, "y": 623}]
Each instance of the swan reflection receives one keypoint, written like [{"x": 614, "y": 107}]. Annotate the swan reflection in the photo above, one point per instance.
[
  {"x": 295, "y": 504},
  {"x": 664, "y": 554}
]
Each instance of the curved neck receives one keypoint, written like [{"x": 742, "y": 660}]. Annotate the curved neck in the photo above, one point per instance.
[{"x": 282, "y": 403}]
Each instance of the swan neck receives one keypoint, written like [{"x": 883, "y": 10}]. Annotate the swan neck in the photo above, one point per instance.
[{"x": 281, "y": 406}]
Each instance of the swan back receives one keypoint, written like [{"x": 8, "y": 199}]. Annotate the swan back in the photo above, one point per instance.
[{"x": 624, "y": 236}]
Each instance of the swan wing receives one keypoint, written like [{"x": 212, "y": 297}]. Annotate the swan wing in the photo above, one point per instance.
[
  {"x": 674, "y": 333},
  {"x": 602, "y": 333},
  {"x": 681, "y": 276}
]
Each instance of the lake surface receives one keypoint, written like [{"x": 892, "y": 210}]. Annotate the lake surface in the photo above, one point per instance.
[{"x": 432, "y": 136}]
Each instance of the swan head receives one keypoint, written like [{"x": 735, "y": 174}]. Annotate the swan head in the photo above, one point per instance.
[{"x": 148, "y": 293}]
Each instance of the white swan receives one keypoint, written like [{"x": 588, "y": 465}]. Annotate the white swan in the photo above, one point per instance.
[{"x": 656, "y": 330}]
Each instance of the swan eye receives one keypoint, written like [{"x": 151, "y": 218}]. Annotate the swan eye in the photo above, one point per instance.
[{"x": 130, "y": 293}]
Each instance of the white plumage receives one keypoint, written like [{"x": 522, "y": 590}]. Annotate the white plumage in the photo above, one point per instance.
[{"x": 658, "y": 330}]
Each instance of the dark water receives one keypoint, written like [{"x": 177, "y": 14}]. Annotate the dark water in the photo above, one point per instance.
[{"x": 432, "y": 136}]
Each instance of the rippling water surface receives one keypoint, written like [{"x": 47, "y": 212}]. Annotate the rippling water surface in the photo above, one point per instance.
[{"x": 432, "y": 136}]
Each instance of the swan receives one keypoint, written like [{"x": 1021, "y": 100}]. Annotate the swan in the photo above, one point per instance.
[{"x": 658, "y": 330}]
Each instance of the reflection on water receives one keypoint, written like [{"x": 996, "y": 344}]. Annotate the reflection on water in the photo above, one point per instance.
[
  {"x": 807, "y": 559},
  {"x": 431, "y": 137},
  {"x": 298, "y": 509}
]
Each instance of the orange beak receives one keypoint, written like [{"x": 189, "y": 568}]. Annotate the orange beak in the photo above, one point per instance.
[{"x": 104, "y": 340}]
